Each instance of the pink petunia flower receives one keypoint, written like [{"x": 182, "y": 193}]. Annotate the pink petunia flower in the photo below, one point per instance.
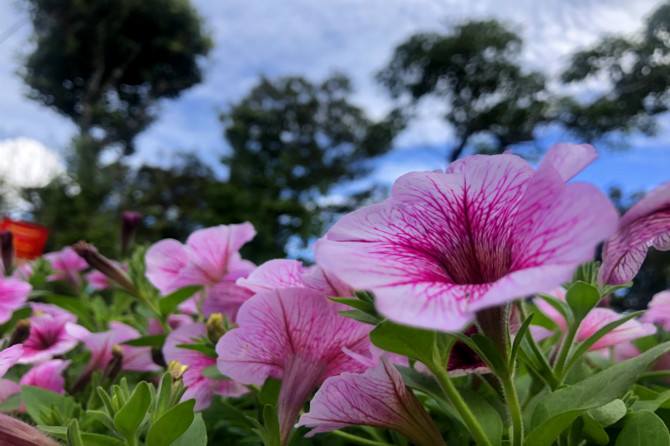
[
  {"x": 378, "y": 398},
  {"x": 645, "y": 224},
  {"x": 199, "y": 388},
  {"x": 491, "y": 229},
  {"x": 67, "y": 265},
  {"x": 596, "y": 319},
  {"x": 9, "y": 357},
  {"x": 48, "y": 375},
  {"x": 13, "y": 295},
  {"x": 48, "y": 336},
  {"x": 295, "y": 335},
  {"x": 284, "y": 273},
  {"x": 658, "y": 310},
  {"x": 99, "y": 281},
  {"x": 210, "y": 258},
  {"x": 100, "y": 345}
]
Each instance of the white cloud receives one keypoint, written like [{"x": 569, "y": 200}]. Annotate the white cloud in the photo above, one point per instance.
[{"x": 25, "y": 162}]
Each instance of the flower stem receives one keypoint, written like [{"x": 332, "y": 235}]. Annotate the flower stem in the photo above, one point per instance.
[
  {"x": 514, "y": 409},
  {"x": 559, "y": 365},
  {"x": 462, "y": 408},
  {"x": 358, "y": 440}
]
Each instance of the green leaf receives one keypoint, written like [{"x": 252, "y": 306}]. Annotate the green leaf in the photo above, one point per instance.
[
  {"x": 582, "y": 298},
  {"x": 594, "y": 431},
  {"x": 106, "y": 400},
  {"x": 100, "y": 440},
  {"x": 202, "y": 348},
  {"x": 171, "y": 425},
  {"x": 11, "y": 403},
  {"x": 147, "y": 341},
  {"x": 360, "y": 316},
  {"x": 168, "y": 303},
  {"x": 610, "y": 413},
  {"x": 518, "y": 337},
  {"x": 490, "y": 353},
  {"x": 271, "y": 422},
  {"x": 366, "y": 296},
  {"x": 39, "y": 402},
  {"x": 412, "y": 342},
  {"x": 650, "y": 404},
  {"x": 212, "y": 372},
  {"x": 643, "y": 428},
  {"x": 364, "y": 306},
  {"x": 129, "y": 417},
  {"x": 269, "y": 393},
  {"x": 557, "y": 410},
  {"x": 195, "y": 435},
  {"x": 562, "y": 307},
  {"x": 74, "y": 434},
  {"x": 487, "y": 416}
]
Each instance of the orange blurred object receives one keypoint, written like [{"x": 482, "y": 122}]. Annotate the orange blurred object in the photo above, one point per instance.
[{"x": 29, "y": 238}]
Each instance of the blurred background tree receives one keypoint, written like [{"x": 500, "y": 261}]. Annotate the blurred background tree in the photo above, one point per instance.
[
  {"x": 636, "y": 73},
  {"x": 292, "y": 141},
  {"x": 476, "y": 70},
  {"x": 105, "y": 65}
]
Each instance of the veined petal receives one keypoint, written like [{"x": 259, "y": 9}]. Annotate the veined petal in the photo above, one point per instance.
[
  {"x": 378, "y": 398},
  {"x": 275, "y": 326},
  {"x": 274, "y": 274},
  {"x": 164, "y": 261},
  {"x": 9, "y": 357},
  {"x": 210, "y": 250},
  {"x": 569, "y": 159},
  {"x": 646, "y": 224},
  {"x": 226, "y": 298}
]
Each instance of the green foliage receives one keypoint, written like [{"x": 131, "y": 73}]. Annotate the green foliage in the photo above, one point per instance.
[
  {"x": 292, "y": 141},
  {"x": 104, "y": 64},
  {"x": 476, "y": 69},
  {"x": 638, "y": 70}
]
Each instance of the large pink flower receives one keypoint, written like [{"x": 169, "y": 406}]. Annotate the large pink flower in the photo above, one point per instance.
[
  {"x": 645, "y": 224},
  {"x": 596, "y": 319},
  {"x": 48, "y": 336},
  {"x": 13, "y": 294},
  {"x": 295, "y": 335},
  {"x": 378, "y": 398},
  {"x": 67, "y": 265},
  {"x": 9, "y": 357},
  {"x": 659, "y": 310},
  {"x": 210, "y": 258},
  {"x": 489, "y": 230},
  {"x": 100, "y": 344},
  {"x": 199, "y": 388}
]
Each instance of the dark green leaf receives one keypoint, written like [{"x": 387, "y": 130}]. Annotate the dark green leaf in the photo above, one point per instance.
[
  {"x": 39, "y": 401},
  {"x": 412, "y": 342},
  {"x": 212, "y": 372},
  {"x": 594, "y": 431},
  {"x": 168, "y": 303},
  {"x": 171, "y": 425},
  {"x": 557, "y": 410},
  {"x": 195, "y": 435},
  {"x": 147, "y": 341},
  {"x": 129, "y": 417},
  {"x": 202, "y": 348},
  {"x": 366, "y": 307},
  {"x": 74, "y": 434},
  {"x": 271, "y": 423},
  {"x": 643, "y": 428},
  {"x": 360, "y": 316},
  {"x": 269, "y": 393},
  {"x": 582, "y": 298},
  {"x": 610, "y": 413},
  {"x": 562, "y": 307},
  {"x": 518, "y": 337},
  {"x": 365, "y": 296}
]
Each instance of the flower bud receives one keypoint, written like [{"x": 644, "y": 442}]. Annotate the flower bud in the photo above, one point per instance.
[
  {"x": 129, "y": 222},
  {"x": 17, "y": 433},
  {"x": 97, "y": 261},
  {"x": 215, "y": 327},
  {"x": 20, "y": 333},
  {"x": 7, "y": 249}
]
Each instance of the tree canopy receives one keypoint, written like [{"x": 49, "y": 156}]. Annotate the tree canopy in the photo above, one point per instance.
[
  {"x": 636, "y": 73},
  {"x": 104, "y": 64},
  {"x": 291, "y": 142},
  {"x": 476, "y": 69}
]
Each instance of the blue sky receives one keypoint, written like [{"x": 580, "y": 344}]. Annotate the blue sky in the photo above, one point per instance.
[{"x": 284, "y": 37}]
